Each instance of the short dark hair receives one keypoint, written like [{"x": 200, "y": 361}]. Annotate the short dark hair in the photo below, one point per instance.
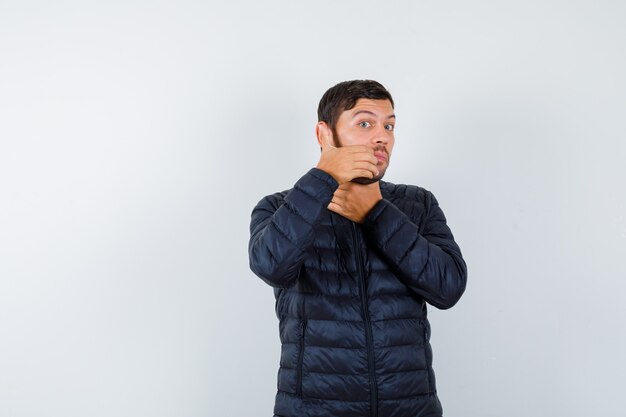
[{"x": 344, "y": 96}]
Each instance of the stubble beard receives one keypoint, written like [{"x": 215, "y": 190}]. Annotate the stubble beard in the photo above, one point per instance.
[{"x": 366, "y": 181}]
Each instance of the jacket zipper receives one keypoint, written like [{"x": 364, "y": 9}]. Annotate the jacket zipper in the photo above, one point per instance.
[
  {"x": 368, "y": 328},
  {"x": 427, "y": 355},
  {"x": 301, "y": 356}
]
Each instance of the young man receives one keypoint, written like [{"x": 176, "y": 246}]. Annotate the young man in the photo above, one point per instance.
[{"x": 353, "y": 261}]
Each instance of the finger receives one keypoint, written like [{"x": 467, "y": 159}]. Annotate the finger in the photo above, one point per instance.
[
  {"x": 365, "y": 174},
  {"x": 365, "y": 157},
  {"x": 332, "y": 206},
  {"x": 345, "y": 190},
  {"x": 361, "y": 153},
  {"x": 359, "y": 149},
  {"x": 367, "y": 166}
]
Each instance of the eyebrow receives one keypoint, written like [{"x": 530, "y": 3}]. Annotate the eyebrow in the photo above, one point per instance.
[{"x": 391, "y": 116}]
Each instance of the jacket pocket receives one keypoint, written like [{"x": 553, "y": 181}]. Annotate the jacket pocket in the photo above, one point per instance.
[{"x": 300, "y": 357}]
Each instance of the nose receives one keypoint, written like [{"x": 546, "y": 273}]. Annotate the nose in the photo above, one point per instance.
[{"x": 382, "y": 135}]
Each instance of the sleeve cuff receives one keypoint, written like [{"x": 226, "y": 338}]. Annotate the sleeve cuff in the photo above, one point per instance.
[
  {"x": 314, "y": 188},
  {"x": 324, "y": 176},
  {"x": 374, "y": 214}
]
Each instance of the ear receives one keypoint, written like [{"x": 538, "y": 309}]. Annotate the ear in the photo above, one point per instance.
[
  {"x": 324, "y": 136},
  {"x": 320, "y": 133}
]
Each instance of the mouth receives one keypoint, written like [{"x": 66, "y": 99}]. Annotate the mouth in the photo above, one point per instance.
[{"x": 381, "y": 156}]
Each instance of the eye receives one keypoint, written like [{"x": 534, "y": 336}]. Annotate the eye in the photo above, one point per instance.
[
  {"x": 389, "y": 127},
  {"x": 364, "y": 124}
]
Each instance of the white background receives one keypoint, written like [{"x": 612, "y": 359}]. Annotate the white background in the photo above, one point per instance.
[{"x": 136, "y": 137}]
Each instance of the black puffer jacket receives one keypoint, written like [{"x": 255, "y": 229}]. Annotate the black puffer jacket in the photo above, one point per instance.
[{"x": 351, "y": 298}]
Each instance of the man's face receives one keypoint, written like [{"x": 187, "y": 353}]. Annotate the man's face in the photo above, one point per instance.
[{"x": 370, "y": 123}]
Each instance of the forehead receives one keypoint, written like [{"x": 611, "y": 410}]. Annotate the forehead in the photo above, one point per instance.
[{"x": 382, "y": 108}]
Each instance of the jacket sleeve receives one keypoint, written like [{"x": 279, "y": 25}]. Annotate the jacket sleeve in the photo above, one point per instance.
[
  {"x": 281, "y": 232},
  {"x": 429, "y": 263}
]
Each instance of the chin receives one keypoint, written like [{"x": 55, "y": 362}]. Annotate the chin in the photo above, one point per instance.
[{"x": 365, "y": 180}]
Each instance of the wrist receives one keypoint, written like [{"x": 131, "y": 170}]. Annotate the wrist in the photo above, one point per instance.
[{"x": 321, "y": 167}]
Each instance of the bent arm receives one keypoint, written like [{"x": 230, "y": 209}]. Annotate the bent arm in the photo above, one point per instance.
[
  {"x": 429, "y": 263},
  {"x": 280, "y": 233}
]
